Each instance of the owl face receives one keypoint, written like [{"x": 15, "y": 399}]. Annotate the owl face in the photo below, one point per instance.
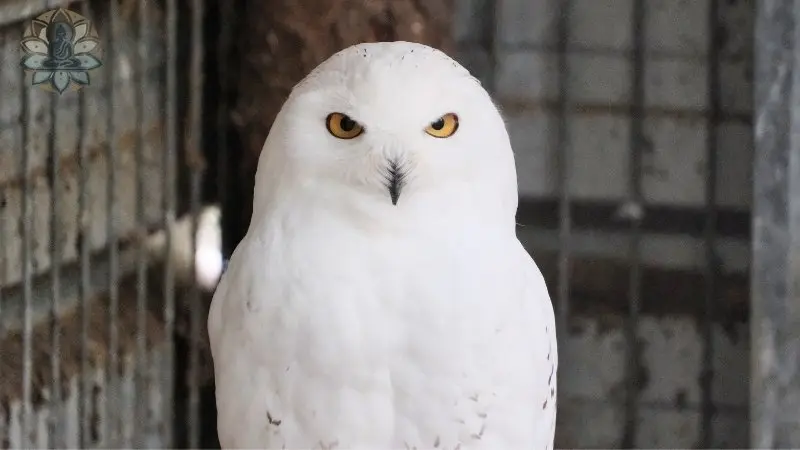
[{"x": 388, "y": 122}]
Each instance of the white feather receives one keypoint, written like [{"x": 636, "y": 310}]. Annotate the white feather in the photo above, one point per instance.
[{"x": 344, "y": 321}]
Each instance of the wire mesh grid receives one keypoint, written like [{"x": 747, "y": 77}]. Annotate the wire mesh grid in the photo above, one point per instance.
[
  {"x": 97, "y": 240},
  {"x": 575, "y": 223}
]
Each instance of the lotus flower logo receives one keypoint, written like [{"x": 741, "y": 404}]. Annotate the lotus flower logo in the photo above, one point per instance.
[{"x": 58, "y": 48}]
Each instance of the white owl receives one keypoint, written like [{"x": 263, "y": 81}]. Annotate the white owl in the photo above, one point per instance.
[{"x": 380, "y": 298}]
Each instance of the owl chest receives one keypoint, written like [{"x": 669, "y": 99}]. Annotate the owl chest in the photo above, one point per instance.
[
  {"x": 405, "y": 335},
  {"x": 372, "y": 295},
  {"x": 385, "y": 300}
]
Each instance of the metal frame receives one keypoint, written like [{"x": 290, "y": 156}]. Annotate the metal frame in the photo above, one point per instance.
[{"x": 775, "y": 318}]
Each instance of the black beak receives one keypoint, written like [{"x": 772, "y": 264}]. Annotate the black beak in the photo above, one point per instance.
[{"x": 395, "y": 180}]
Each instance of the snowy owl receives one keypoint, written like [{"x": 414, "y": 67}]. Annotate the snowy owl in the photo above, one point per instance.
[{"x": 380, "y": 298}]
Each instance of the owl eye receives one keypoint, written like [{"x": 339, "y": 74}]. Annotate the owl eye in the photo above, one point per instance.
[
  {"x": 444, "y": 126},
  {"x": 342, "y": 126}
]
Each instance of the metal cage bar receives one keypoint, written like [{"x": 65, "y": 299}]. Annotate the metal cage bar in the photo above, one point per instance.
[
  {"x": 489, "y": 39},
  {"x": 85, "y": 290},
  {"x": 27, "y": 231},
  {"x": 226, "y": 11},
  {"x": 3, "y": 280},
  {"x": 634, "y": 215},
  {"x": 169, "y": 208},
  {"x": 4, "y": 261},
  {"x": 710, "y": 268},
  {"x": 195, "y": 162},
  {"x": 141, "y": 380},
  {"x": 111, "y": 424},
  {"x": 563, "y": 164},
  {"x": 775, "y": 275},
  {"x": 55, "y": 267}
]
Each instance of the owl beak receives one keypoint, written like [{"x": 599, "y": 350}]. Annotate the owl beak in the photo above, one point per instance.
[{"x": 395, "y": 180}]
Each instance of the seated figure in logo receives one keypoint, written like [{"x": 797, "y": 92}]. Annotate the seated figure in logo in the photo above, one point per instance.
[{"x": 60, "y": 49}]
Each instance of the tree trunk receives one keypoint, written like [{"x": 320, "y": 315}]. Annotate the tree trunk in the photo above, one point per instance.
[{"x": 282, "y": 40}]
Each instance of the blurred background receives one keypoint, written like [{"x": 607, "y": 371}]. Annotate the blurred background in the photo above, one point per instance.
[{"x": 666, "y": 240}]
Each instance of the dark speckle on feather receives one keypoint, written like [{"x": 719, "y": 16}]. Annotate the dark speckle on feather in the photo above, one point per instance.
[{"x": 272, "y": 421}]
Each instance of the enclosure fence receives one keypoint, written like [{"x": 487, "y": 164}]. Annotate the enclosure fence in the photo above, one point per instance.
[
  {"x": 97, "y": 259},
  {"x": 634, "y": 106}
]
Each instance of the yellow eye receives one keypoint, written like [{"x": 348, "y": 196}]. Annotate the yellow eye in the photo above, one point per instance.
[
  {"x": 342, "y": 126},
  {"x": 443, "y": 127}
]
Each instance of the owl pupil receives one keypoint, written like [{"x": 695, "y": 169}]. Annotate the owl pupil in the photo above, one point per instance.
[
  {"x": 438, "y": 125},
  {"x": 348, "y": 124}
]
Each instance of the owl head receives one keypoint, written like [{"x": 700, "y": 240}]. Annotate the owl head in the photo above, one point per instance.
[{"x": 396, "y": 128}]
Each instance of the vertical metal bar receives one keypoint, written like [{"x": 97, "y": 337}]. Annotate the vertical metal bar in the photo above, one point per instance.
[
  {"x": 85, "y": 289},
  {"x": 196, "y": 162},
  {"x": 27, "y": 231},
  {"x": 3, "y": 282},
  {"x": 3, "y": 255},
  {"x": 710, "y": 272},
  {"x": 110, "y": 423},
  {"x": 170, "y": 162},
  {"x": 564, "y": 161},
  {"x": 141, "y": 384},
  {"x": 223, "y": 110},
  {"x": 637, "y": 144},
  {"x": 775, "y": 270},
  {"x": 490, "y": 43},
  {"x": 55, "y": 272},
  {"x": 3, "y": 249}
]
